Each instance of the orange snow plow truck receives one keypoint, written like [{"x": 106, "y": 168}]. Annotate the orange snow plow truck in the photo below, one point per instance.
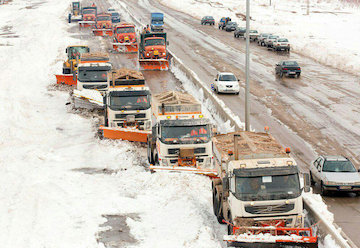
[
  {"x": 88, "y": 17},
  {"x": 103, "y": 25},
  {"x": 127, "y": 107},
  {"x": 70, "y": 65},
  {"x": 258, "y": 193},
  {"x": 124, "y": 38},
  {"x": 153, "y": 54},
  {"x": 180, "y": 140}
]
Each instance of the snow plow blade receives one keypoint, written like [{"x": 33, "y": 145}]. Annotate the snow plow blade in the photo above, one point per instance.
[
  {"x": 125, "y": 47},
  {"x": 182, "y": 169},
  {"x": 125, "y": 133},
  {"x": 68, "y": 79},
  {"x": 271, "y": 236},
  {"x": 154, "y": 64},
  {"x": 86, "y": 24},
  {"x": 102, "y": 32}
]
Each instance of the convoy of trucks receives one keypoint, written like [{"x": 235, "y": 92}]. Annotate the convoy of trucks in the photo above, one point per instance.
[{"x": 256, "y": 184}]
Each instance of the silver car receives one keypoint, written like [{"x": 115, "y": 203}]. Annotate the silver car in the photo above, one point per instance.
[{"x": 335, "y": 174}]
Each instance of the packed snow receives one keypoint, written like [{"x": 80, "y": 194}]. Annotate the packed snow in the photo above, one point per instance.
[{"x": 322, "y": 35}]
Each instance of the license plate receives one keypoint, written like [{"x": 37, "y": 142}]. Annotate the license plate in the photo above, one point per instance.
[
  {"x": 345, "y": 187},
  {"x": 291, "y": 72},
  {"x": 156, "y": 52}
]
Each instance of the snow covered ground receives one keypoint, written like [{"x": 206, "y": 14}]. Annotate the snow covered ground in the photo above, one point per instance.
[
  {"x": 329, "y": 34},
  {"x": 58, "y": 180}
]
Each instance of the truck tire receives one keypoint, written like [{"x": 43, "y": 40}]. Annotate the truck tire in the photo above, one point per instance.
[
  {"x": 229, "y": 227},
  {"x": 150, "y": 152},
  {"x": 216, "y": 206},
  {"x": 324, "y": 192}
]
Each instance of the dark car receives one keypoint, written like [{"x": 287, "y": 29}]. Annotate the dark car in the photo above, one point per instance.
[
  {"x": 208, "y": 20},
  {"x": 239, "y": 32},
  {"x": 288, "y": 68},
  {"x": 223, "y": 21},
  {"x": 115, "y": 17},
  {"x": 231, "y": 26}
]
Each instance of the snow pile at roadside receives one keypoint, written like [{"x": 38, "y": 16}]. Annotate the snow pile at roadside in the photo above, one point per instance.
[
  {"x": 57, "y": 179},
  {"x": 329, "y": 34}
]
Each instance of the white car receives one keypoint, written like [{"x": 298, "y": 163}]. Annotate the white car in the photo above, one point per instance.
[
  {"x": 253, "y": 34},
  {"x": 226, "y": 82},
  {"x": 335, "y": 174},
  {"x": 269, "y": 40},
  {"x": 281, "y": 44}
]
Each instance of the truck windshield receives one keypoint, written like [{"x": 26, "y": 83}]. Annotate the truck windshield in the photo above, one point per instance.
[
  {"x": 88, "y": 11},
  {"x": 154, "y": 42},
  {"x": 267, "y": 187},
  {"x": 74, "y": 52},
  {"x": 92, "y": 75},
  {"x": 130, "y": 102},
  {"x": 185, "y": 134},
  {"x": 103, "y": 18},
  {"x": 125, "y": 30}
]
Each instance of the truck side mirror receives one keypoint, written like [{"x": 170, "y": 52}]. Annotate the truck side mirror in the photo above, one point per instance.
[
  {"x": 359, "y": 170},
  {"x": 66, "y": 50},
  {"x": 225, "y": 183},
  {"x": 167, "y": 43},
  {"x": 215, "y": 79},
  {"x": 307, "y": 182},
  {"x": 88, "y": 49},
  {"x": 104, "y": 100}
]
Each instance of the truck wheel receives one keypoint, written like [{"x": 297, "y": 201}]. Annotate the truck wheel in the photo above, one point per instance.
[
  {"x": 312, "y": 181},
  {"x": 150, "y": 153},
  {"x": 216, "y": 206},
  {"x": 324, "y": 192},
  {"x": 229, "y": 227}
]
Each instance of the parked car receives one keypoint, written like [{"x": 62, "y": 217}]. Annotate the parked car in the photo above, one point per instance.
[
  {"x": 281, "y": 44},
  {"x": 239, "y": 32},
  {"x": 253, "y": 34},
  {"x": 226, "y": 82},
  {"x": 231, "y": 26},
  {"x": 223, "y": 21},
  {"x": 269, "y": 40},
  {"x": 208, "y": 20},
  {"x": 261, "y": 38},
  {"x": 336, "y": 174},
  {"x": 115, "y": 17},
  {"x": 288, "y": 68}
]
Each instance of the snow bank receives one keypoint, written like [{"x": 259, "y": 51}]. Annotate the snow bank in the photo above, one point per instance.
[
  {"x": 329, "y": 34},
  {"x": 57, "y": 179}
]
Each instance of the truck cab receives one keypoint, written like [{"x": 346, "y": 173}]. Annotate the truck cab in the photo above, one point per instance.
[
  {"x": 124, "y": 38},
  {"x": 103, "y": 21},
  {"x": 128, "y": 100},
  {"x": 157, "y": 22},
  {"x": 89, "y": 13},
  {"x": 92, "y": 71},
  {"x": 259, "y": 182},
  {"x": 154, "y": 47},
  {"x": 181, "y": 136}
]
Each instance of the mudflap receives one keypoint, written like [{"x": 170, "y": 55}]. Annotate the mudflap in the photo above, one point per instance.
[
  {"x": 68, "y": 79},
  {"x": 86, "y": 24},
  {"x": 125, "y": 134},
  {"x": 191, "y": 170},
  {"x": 102, "y": 32},
  {"x": 125, "y": 48},
  {"x": 154, "y": 64}
]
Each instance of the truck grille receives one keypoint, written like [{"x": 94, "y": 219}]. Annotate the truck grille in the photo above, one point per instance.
[
  {"x": 269, "y": 209},
  {"x": 94, "y": 86},
  {"x": 123, "y": 116},
  {"x": 173, "y": 151}
]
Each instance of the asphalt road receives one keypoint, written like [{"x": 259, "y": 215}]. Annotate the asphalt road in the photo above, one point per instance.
[{"x": 317, "y": 113}]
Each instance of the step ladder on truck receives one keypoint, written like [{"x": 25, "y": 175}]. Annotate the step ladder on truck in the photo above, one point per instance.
[
  {"x": 258, "y": 193},
  {"x": 180, "y": 140}
]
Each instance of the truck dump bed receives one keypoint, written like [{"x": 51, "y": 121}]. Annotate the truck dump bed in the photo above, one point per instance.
[
  {"x": 174, "y": 102},
  {"x": 249, "y": 145},
  {"x": 126, "y": 77},
  {"x": 94, "y": 57}
]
